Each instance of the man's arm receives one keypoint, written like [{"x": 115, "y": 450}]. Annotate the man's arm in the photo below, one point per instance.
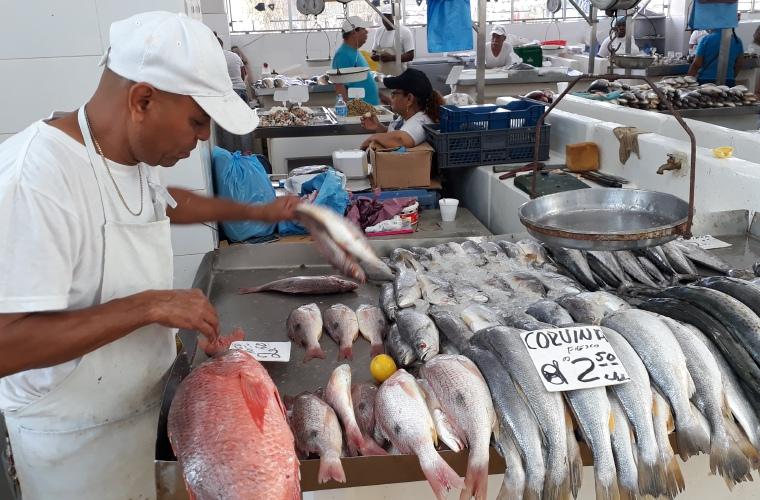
[
  {"x": 407, "y": 56},
  {"x": 695, "y": 66},
  {"x": 192, "y": 208},
  {"x": 38, "y": 340}
]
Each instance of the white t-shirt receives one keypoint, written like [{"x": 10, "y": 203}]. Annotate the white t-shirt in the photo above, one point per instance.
[
  {"x": 51, "y": 235},
  {"x": 385, "y": 40},
  {"x": 234, "y": 63},
  {"x": 696, "y": 36},
  {"x": 412, "y": 126},
  {"x": 604, "y": 49},
  {"x": 503, "y": 59}
]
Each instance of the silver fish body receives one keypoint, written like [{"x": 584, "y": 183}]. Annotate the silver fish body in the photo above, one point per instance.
[
  {"x": 398, "y": 348},
  {"x": 419, "y": 331},
  {"x": 304, "y": 326},
  {"x": 342, "y": 326},
  {"x": 372, "y": 326},
  {"x": 388, "y": 301},
  {"x": 407, "y": 287},
  {"x": 316, "y": 430},
  {"x": 623, "y": 449},
  {"x": 575, "y": 262},
  {"x": 451, "y": 327},
  {"x": 309, "y": 285},
  {"x": 549, "y": 311},
  {"x": 632, "y": 267},
  {"x": 678, "y": 260}
]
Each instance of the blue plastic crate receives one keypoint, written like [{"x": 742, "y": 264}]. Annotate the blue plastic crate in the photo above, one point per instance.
[{"x": 515, "y": 114}]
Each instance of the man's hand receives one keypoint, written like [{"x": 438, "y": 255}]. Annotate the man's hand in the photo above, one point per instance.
[
  {"x": 387, "y": 58},
  {"x": 375, "y": 57},
  {"x": 185, "y": 309},
  {"x": 282, "y": 208}
]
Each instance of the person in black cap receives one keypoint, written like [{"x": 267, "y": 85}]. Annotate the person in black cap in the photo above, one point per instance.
[{"x": 416, "y": 104}]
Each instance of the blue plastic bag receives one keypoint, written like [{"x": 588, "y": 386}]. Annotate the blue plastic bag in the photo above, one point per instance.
[
  {"x": 243, "y": 179},
  {"x": 331, "y": 194},
  {"x": 449, "y": 25}
]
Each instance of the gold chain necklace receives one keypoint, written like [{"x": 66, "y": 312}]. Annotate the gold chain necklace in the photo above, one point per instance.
[{"x": 108, "y": 169}]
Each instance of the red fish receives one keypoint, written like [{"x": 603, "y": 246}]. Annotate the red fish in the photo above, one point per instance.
[{"x": 228, "y": 428}]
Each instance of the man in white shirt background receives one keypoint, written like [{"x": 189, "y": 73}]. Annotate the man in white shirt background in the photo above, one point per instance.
[
  {"x": 499, "y": 53},
  {"x": 619, "y": 44},
  {"x": 236, "y": 70},
  {"x": 383, "y": 48}
]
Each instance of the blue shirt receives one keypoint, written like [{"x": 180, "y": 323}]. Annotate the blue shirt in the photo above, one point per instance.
[
  {"x": 709, "y": 47},
  {"x": 349, "y": 57}
]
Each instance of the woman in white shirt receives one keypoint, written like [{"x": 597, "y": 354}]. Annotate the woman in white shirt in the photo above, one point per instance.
[
  {"x": 498, "y": 51},
  {"x": 416, "y": 104}
]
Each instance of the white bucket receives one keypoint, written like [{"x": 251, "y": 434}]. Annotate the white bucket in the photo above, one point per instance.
[{"x": 448, "y": 208}]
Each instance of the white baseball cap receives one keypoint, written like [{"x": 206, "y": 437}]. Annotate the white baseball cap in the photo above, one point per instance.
[
  {"x": 353, "y": 22},
  {"x": 499, "y": 30},
  {"x": 386, "y": 8},
  {"x": 180, "y": 55}
]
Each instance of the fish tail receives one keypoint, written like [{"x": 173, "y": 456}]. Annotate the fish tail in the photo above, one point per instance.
[
  {"x": 693, "y": 439},
  {"x": 346, "y": 352},
  {"x": 371, "y": 448},
  {"x": 674, "y": 479},
  {"x": 628, "y": 494},
  {"x": 377, "y": 349},
  {"x": 728, "y": 460},
  {"x": 554, "y": 490},
  {"x": 653, "y": 477},
  {"x": 609, "y": 491},
  {"x": 529, "y": 494},
  {"x": 738, "y": 436},
  {"x": 330, "y": 467},
  {"x": 255, "y": 289},
  {"x": 314, "y": 352},
  {"x": 439, "y": 474},
  {"x": 574, "y": 456},
  {"x": 354, "y": 439},
  {"x": 476, "y": 478}
]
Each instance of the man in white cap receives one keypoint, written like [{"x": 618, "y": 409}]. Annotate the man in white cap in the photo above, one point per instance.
[
  {"x": 498, "y": 51},
  {"x": 87, "y": 310},
  {"x": 348, "y": 56},
  {"x": 384, "y": 46}
]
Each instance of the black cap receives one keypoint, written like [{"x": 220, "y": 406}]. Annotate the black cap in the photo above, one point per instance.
[{"x": 412, "y": 81}]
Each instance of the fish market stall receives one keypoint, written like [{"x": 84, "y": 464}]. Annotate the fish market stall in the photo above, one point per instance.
[{"x": 500, "y": 82}]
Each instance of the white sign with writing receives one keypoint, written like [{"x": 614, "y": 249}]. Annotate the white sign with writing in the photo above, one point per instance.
[
  {"x": 265, "y": 351},
  {"x": 574, "y": 358},
  {"x": 708, "y": 242},
  {"x": 298, "y": 93}
]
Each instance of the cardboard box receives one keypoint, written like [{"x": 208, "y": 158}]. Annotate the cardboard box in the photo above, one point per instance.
[{"x": 402, "y": 170}]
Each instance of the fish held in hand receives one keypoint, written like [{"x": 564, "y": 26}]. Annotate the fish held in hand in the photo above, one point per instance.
[
  {"x": 304, "y": 326},
  {"x": 233, "y": 395},
  {"x": 305, "y": 285}
]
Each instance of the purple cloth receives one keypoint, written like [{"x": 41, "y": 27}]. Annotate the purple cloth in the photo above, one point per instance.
[{"x": 366, "y": 212}]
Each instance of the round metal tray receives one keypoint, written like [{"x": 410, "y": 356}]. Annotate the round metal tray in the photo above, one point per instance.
[{"x": 605, "y": 218}]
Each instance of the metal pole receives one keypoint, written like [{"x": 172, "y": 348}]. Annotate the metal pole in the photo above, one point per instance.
[
  {"x": 725, "y": 51},
  {"x": 593, "y": 48},
  {"x": 480, "y": 73},
  {"x": 629, "y": 28},
  {"x": 397, "y": 34}
]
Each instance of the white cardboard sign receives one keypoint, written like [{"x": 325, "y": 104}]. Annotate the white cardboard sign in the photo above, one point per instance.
[
  {"x": 264, "y": 351},
  {"x": 708, "y": 242},
  {"x": 298, "y": 93},
  {"x": 569, "y": 359}
]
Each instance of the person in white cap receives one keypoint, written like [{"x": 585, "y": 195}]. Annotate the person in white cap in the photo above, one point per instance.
[
  {"x": 87, "y": 310},
  {"x": 498, "y": 51},
  {"x": 384, "y": 46},
  {"x": 348, "y": 56}
]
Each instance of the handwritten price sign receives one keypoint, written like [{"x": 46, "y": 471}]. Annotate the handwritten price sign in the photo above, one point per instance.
[
  {"x": 568, "y": 359},
  {"x": 265, "y": 351}
]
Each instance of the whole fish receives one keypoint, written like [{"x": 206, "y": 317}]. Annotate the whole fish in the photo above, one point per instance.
[
  {"x": 521, "y": 282},
  {"x": 658, "y": 348},
  {"x": 388, "y": 301},
  {"x": 372, "y": 326},
  {"x": 678, "y": 260},
  {"x": 513, "y": 485},
  {"x": 695, "y": 253},
  {"x": 623, "y": 449},
  {"x": 476, "y": 254},
  {"x": 743, "y": 291},
  {"x": 575, "y": 262},
  {"x": 342, "y": 326},
  {"x": 558, "y": 284},
  {"x": 533, "y": 251},
  {"x": 398, "y": 348},
  {"x": 550, "y": 312},
  {"x": 662, "y": 419},
  {"x": 419, "y": 331},
  {"x": 341, "y": 260},
  {"x": 633, "y": 268},
  {"x": 363, "y": 397},
  {"x": 304, "y": 326},
  {"x": 548, "y": 407},
  {"x": 657, "y": 468},
  {"x": 403, "y": 418},
  {"x": 317, "y": 430},
  {"x": 306, "y": 285},
  {"x": 515, "y": 417},
  {"x": 513, "y": 250},
  {"x": 656, "y": 256},
  {"x": 338, "y": 395},
  {"x": 447, "y": 433},
  {"x": 402, "y": 256},
  {"x": 466, "y": 401},
  {"x": 594, "y": 416},
  {"x": 479, "y": 316},
  {"x": 407, "y": 287},
  {"x": 436, "y": 290},
  {"x": 606, "y": 265},
  {"x": 232, "y": 394},
  {"x": 347, "y": 237},
  {"x": 451, "y": 327},
  {"x": 652, "y": 270},
  {"x": 591, "y": 307},
  {"x": 726, "y": 458}
]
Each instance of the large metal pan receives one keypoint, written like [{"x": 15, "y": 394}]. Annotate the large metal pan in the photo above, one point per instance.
[{"x": 605, "y": 218}]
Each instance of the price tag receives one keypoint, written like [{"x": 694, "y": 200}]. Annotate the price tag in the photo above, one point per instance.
[
  {"x": 356, "y": 93},
  {"x": 574, "y": 358},
  {"x": 298, "y": 93},
  {"x": 265, "y": 351},
  {"x": 281, "y": 95},
  {"x": 707, "y": 242}
]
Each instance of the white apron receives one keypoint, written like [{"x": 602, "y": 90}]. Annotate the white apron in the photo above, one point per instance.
[{"x": 93, "y": 436}]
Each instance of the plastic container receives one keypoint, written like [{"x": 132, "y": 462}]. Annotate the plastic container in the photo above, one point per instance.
[
  {"x": 489, "y": 117},
  {"x": 341, "y": 109},
  {"x": 486, "y": 147},
  {"x": 531, "y": 54},
  {"x": 448, "y": 209},
  {"x": 353, "y": 163}
]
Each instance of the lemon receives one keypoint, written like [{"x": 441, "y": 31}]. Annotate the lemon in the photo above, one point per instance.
[
  {"x": 382, "y": 367},
  {"x": 723, "y": 152}
]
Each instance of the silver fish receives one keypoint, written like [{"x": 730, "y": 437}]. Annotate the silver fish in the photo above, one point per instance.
[
  {"x": 662, "y": 419},
  {"x": 695, "y": 253},
  {"x": 633, "y": 268},
  {"x": 419, "y": 331},
  {"x": 558, "y": 284},
  {"x": 388, "y": 301},
  {"x": 316, "y": 430},
  {"x": 407, "y": 287},
  {"x": 372, "y": 326},
  {"x": 623, "y": 448},
  {"x": 307, "y": 285},
  {"x": 436, "y": 290},
  {"x": 363, "y": 397},
  {"x": 522, "y": 283},
  {"x": 575, "y": 262},
  {"x": 398, "y": 348},
  {"x": 402, "y": 256},
  {"x": 514, "y": 484},
  {"x": 304, "y": 326},
  {"x": 592, "y": 307},
  {"x": 478, "y": 317},
  {"x": 606, "y": 261},
  {"x": 550, "y": 312},
  {"x": 451, "y": 327},
  {"x": 533, "y": 251},
  {"x": 444, "y": 427},
  {"x": 466, "y": 401},
  {"x": 652, "y": 270},
  {"x": 678, "y": 260},
  {"x": 342, "y": 326},
  {"x": 403, "y": 417}
]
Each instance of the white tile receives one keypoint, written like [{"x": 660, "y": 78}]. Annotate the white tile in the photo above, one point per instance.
[
  {"x": 213, "y": 6},
  {"x": 48, "y": 29},
  {"x": 190, "y": 239},
  {"x": 221, "y": 24},
  {"x": 185, "y": 268},
  {"x": 115, "y": 10},
  {"x": 31, "y": 89}
]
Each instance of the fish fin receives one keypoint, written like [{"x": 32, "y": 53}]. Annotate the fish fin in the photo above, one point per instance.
[
  {"x": 738, "y": 436},
  {"x": 221, "y": 343},
  {"x": 354, "y": 439},
  {"x": 256, "y": 395},
  {"x": 346, "y": 352},
  {"x": 573, "y": 455},
  {"x": 691, "y": 387},
  {"x": 728, "y": 460},
  {"x": 553, "y": 491},
  {"x": 653, "y": 478},
  {"x": 331, "y": 468},
  {"x": 692, "y": 439},
  {"x": 628, "y": 494},
  {"x": 439, "y": 474},
  {"x": 377, "y": 349},
  {"x": 476, "y": 478},
  {"x": 254, "y": 289},
  {"x": 608, "y": 492},
  {"x": 371, "y": 448},
  {"x": 314, "y": 352},
  {"x": 675, "y": 483},
  {"x": 189, "y": 490},
  {"x": 506, "y": 492}
]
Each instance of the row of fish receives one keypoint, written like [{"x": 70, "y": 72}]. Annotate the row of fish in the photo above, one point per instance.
[{"x": 306, "y": 323}]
